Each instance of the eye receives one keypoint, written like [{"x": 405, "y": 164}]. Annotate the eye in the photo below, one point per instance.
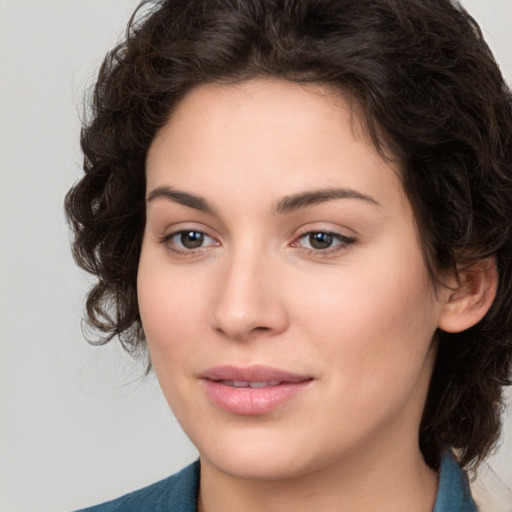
[
  {"x": 188, "y": 240},
  {"x": 323, "y": 241},
  {"x": 319, "y": 240}
]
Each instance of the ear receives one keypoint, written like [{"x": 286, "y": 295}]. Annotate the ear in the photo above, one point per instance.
[{"x": 469, "y": 300}]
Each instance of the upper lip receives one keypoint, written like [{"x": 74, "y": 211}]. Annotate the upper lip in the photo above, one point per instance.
[{"x": 253, "y": 373}]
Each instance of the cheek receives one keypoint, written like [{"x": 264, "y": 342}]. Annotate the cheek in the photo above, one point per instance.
[
  {"x": 376, "y": 322},
  {"x": 166, "y": 312},
  {"x": 170, "y": 325}
]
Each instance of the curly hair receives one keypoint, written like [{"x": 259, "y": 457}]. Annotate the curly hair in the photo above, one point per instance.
[{"x": 431, "y": 95}]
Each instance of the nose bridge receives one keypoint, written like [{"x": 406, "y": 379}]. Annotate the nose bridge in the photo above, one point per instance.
[{"x": 248, "y": 300}]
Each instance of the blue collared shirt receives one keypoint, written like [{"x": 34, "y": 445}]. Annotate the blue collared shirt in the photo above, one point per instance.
[
  {"x": 178, "y": 493},
  {"x": 453, "y": 494}
]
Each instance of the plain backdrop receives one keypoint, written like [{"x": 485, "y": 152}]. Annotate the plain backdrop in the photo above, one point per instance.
[{"x": 77, "y": 424}]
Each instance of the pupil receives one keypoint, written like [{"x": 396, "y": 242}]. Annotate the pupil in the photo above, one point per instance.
[
  {"x": 320, "y": 240},
  {"x": 192, "y": 239}
]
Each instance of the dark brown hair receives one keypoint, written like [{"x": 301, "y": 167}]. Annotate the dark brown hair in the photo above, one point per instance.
[{"x": 431, "y": 95}]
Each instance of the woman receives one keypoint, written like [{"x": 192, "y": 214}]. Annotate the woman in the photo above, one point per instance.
[{"x": 302, "y": 210}]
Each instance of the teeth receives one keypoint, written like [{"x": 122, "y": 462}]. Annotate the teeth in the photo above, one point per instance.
[
  {"x": 247, "y": 384},
  {"x": 263, "y": 384}
]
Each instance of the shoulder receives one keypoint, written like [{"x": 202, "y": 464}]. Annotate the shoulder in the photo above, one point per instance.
[{"x": 177, "y": 493}]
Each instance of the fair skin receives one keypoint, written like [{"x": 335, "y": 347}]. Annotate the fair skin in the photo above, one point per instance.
[{"x": 277, "y": 237}]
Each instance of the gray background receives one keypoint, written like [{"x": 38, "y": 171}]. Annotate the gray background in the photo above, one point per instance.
[{"x": 77, "y": 425}]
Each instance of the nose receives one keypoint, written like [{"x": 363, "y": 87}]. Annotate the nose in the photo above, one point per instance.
[{"x": 249, "y": 302}]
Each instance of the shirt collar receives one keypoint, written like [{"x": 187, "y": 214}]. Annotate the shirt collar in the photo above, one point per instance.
[{"x": 453, "y": 494}]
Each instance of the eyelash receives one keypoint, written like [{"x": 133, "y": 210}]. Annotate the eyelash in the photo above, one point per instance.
[
  {"x": 343, "y": 242},
  {"x": 173, "y": 248}
]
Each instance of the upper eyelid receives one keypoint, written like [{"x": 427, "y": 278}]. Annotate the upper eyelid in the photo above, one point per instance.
[
  {"x": 176, "y": 232},
  {"x": 302, "y": 231},
  {"x": 340, "y": 236},
  {"x": 341, "y": 231},
  {"x": 326, "y": 231},
  {"x": 180, "y": 227}
]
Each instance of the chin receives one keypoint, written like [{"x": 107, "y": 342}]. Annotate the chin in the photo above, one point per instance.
[
  {"x": 254, "y": 465},
  {"x": 268, "y": 455}
]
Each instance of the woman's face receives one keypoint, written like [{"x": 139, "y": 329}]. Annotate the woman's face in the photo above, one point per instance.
[{"x": 286, "y": 304}]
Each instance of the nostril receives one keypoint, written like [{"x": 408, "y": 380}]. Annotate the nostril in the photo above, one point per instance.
[{"x": 245, "y": 308}]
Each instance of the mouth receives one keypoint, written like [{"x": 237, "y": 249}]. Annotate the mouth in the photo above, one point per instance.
[
  {"x": 240, "y": 376},
  {"x": 253, "y": 390},
  {"x": 249, "y": 384}
]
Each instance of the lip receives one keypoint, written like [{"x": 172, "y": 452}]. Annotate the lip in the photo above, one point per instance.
[{"x": 281, "y": 387}]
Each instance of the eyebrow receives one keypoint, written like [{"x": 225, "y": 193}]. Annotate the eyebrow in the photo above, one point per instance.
[
  {"x": 286, "y": 204},
  {"x": 303, "y": 199},
  {"x": 184, "y": 198}
]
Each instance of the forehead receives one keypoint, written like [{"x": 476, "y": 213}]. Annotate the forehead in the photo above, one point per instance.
[
  {"x": 259, "y": 105},
  {"x": 268, "y": 131}
]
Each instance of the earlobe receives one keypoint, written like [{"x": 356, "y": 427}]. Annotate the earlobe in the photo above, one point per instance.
[{"x": 468, "y": 302}]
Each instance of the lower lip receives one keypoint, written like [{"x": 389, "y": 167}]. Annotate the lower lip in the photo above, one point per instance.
[{"x": 249, "y": 401}]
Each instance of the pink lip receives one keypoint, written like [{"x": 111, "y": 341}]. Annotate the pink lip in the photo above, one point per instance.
[{"x": 282, "y": 386}]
